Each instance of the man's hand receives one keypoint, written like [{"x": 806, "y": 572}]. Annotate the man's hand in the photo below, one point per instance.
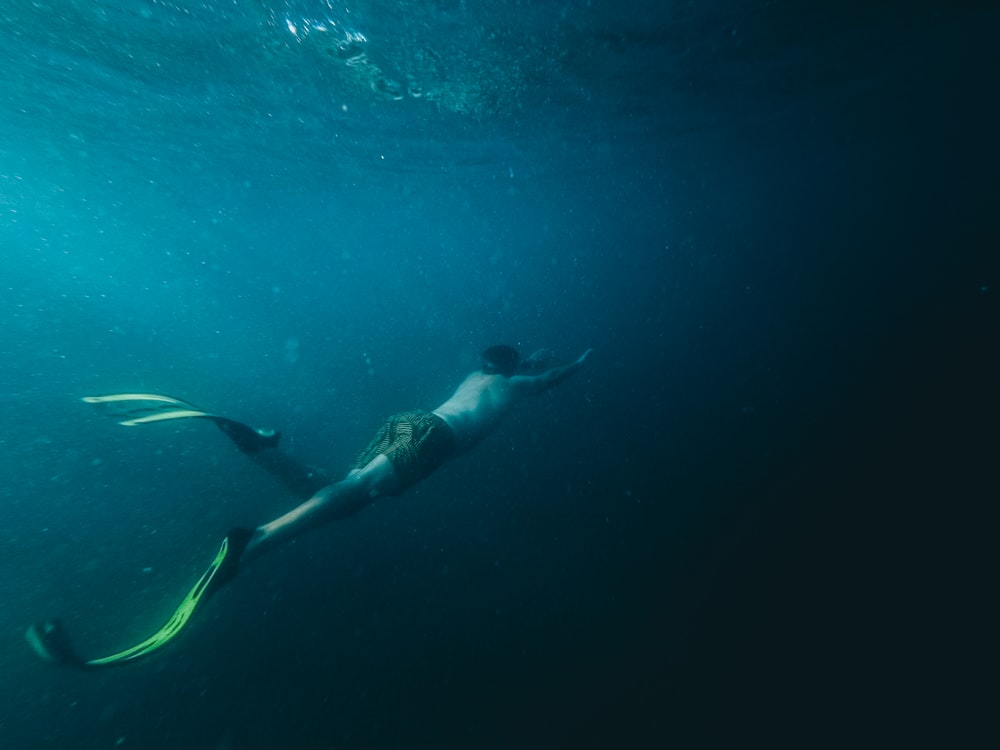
[{"x": 582, "y": 358}]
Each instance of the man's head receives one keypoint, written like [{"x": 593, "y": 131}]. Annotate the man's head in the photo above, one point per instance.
[{"x": 501, "y": 360}]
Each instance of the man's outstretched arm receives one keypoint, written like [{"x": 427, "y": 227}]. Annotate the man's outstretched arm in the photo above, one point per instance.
[{"x": 531, "y": 384}]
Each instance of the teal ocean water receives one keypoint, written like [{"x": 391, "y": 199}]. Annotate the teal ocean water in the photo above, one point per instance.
[{"x": 753, "y": 516}]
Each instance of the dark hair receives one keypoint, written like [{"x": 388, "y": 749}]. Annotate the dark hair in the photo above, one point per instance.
[{"x": 501, "y": 360}]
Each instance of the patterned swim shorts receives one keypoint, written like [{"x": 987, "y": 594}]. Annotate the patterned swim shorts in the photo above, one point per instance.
[{"x": 415, "y": 442}]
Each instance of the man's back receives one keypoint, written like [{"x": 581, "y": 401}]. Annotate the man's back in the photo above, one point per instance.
[
  {"x": 477, "y": 406},
  {"x": 485, "y": 398}
]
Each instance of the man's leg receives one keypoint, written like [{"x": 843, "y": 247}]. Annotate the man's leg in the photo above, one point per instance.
[
  {"x": 335, "y": 501},
  {"x": 262, "y": 447},
  {"x": 303, "y": 481}
]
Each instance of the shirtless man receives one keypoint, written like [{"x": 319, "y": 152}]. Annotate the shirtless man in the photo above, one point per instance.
[
  {"x": 411, "y": 445},
  {"x": 406, "y": 449}
]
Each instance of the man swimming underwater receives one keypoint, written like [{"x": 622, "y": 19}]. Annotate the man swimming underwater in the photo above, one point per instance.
[{"x": 406, "y": 449}]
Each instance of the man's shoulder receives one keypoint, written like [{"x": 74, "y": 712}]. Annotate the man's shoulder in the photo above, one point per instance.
[{"x": 482, "y": 379}]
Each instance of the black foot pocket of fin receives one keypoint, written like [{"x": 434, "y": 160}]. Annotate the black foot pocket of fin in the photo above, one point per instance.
[
  {"x": 236, "y": 542},
  {"x": 245, "y": 437},
  {"x": 51, "y": 642}
]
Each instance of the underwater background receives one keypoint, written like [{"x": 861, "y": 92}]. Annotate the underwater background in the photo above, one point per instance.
[{"x": 754, "y": 517}]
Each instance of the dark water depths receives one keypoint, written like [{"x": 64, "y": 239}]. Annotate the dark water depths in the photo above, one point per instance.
[{"x": 751, "y": 518}]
